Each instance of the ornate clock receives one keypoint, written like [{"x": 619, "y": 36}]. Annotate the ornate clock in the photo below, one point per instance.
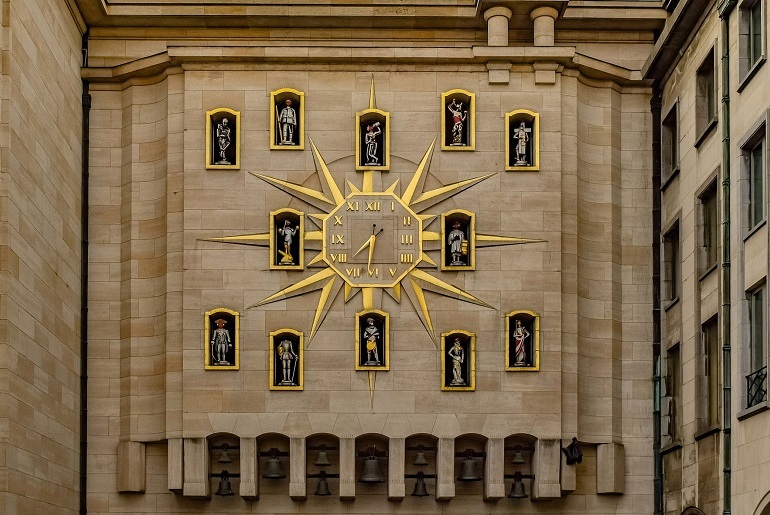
[{"x": 372, "y": 240}]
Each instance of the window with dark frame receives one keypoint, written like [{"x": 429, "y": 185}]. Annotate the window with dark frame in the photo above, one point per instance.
[
  {"x": 705, "y": 98},
  {"x": 756, "y": 176},
  {"x": 709, "y": 243},
  {"x": 670, "y": 143},
  {"x": 711, "y": 351},
  {"x": 673, "y": 382},
  {"x": 756, "y": 380},
  {"x": 755, "y": 33},
  {"x": 672, "y": 263},
  {"x": 751, "y": 39}
]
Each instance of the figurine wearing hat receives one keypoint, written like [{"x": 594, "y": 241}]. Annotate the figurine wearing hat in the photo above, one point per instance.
[
  {"x": 371, "y": 336},
  {"x": 455, "y": 242},
  {"x": 220, "y": 342}
]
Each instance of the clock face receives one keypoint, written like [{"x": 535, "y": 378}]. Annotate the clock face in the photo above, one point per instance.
[{"x": 372, "y": 240}]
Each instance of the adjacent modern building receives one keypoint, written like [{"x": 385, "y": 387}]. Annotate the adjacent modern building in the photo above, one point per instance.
[{"x": 451, "y": 256}]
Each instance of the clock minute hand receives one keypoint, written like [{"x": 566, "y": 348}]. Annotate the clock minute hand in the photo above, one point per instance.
[{"x": 366, "y": 243}]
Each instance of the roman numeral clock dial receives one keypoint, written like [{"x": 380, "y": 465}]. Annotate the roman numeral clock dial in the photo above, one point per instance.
[{"x": 372, "y": 240}]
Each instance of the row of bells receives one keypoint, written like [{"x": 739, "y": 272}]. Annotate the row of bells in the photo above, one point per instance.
[{"x": 371, "y": 474}]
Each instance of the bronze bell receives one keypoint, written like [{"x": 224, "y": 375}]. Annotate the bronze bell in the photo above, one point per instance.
[
  {"x": 420, "y": 490},
  {"x": 420, "y": 460},
  {"x": 323, "y": 459},
  {"x": 518, "y": 456},
  {"x": 224, "y": 456},
  {"x": 224, "y": 489},
  {"x": 274, "y": 469},
  {"x": 517, "y": 489},
  {"x": 323, "y": 485},
  {"x": 469, "y": 472},
  {"x": 371, "y": 473}
]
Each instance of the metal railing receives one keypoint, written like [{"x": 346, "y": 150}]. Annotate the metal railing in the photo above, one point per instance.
[{"x": 756, "y": 387}]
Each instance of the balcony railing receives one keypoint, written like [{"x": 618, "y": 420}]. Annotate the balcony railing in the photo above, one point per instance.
[{"x": 756, "y": 386}]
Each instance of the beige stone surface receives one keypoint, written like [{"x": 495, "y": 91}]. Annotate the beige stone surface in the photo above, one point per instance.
[{"x": 154, "y": 410}]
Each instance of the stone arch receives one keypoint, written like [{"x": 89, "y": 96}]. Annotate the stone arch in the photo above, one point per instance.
[
  {"x": 692, "y": 510},
  {"x": 763, "y": 507}
]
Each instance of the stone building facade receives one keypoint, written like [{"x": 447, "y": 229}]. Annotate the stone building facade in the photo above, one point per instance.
[
  {"x": 711, "y": 99},
  {"x": 182, "y": 217}
]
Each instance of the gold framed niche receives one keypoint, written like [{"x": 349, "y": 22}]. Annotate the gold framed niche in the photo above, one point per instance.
[
  {"x": 296, "y": 378},
  {"x": 467, "y": 221},
  {"x": 278, "y": 219},
  {"x": 513, "y": 121},
  {"x": 457, "y": 99},
  {"x": 366, "y": 358},
  {"x": 530, "y": 322},
  {"x": 212, "y": 338},
  {"x": 379, "y": 119},
  {"x": 278, "y": 98},
  {"x": 464, "y": 382},
  {"x": 223, "y": 123}
]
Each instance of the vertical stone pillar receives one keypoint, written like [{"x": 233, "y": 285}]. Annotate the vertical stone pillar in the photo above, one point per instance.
[
  {"x": 396, "y": 457},
  {"x": 249, "y": 485},
  {"x": 445, "y": 469},
  {"x": 568, "y": 475},
  {"x": 196, "y": 468},
  {"x": 610, "y": 468},
  {"x": 297, "y": 469},
  {"x": 497, "y": 35},
  {"x": 131, "y": 466},
  {"x": 175, "y": 465},
  {"x": 494, "y": 471},
  {"x": 546, "y": 467},
  {"x": 347, "y": 469},
  {"x": 497, "y": 25},
  {"x": 544, "y": 18}
]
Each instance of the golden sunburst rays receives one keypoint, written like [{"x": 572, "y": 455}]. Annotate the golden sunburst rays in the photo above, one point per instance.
[{"x": 413, "y": 285}]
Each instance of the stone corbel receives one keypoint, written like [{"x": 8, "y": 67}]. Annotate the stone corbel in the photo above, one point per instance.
[
  {"x": 396, "y": 457},
  {"x": 249, "y": 484},
  {"x": 546, "y": 467},
  {"x": 347, "y": 469},
  {"x": 297, "y": 475},
  {"x": 494, "y": 470},
  {"x": 610, "y": 468},
  {"x": 545, "y": 73},
  {"x": 131, "y": 466},
  {"x": 196, "y": 468},
  {"x": 445, "y": 469},
  {"x": 499, "y": 72},
  {"x": 175, "y": 465}
]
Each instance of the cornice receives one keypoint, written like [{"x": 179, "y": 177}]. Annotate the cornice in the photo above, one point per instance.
[{"x": 225, "y": 57}]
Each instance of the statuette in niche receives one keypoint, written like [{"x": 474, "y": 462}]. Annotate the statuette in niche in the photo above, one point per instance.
[
  {"x": 288, "y": 233},
  {"x": 458, "y": 109},
  {"x": 458, "y": 363},
  {"x": 287, "y": 239},
  {"x": 222, "y": 344},
  {"x": 287, "y": 119},
  {"x": 523, "y": 151},
  {"x": 522, "y": 351},
  {"x": 222, "y": 143},
  {"x": 372, "y": 137},
  {"x": 372, "y": 342},
  {"x": 288, "y": 123},
  {"x": 522, "y": 148},
  {"x": 458, "y": 249},
  {"x": 286, "y": 362},
  {"x": 457, "y": 243}
]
